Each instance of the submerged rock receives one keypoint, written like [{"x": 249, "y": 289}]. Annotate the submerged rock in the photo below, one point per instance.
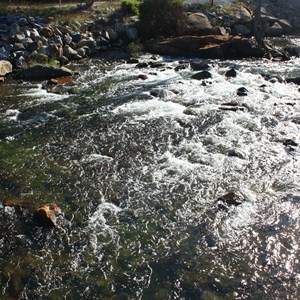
[
  {"x": 242, "y": 91},
  {"x": 202, "y": 75},
  {"x": 230, "y": 199},
  {"x": 46, "y": 215},
  {"x": 231, "y": 73}
]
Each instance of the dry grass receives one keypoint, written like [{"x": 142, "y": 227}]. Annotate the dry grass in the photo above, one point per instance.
[{"x": 66, "y": 12}]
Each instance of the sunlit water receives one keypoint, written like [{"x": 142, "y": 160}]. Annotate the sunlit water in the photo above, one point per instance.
[{"x": 137, "y": 167}]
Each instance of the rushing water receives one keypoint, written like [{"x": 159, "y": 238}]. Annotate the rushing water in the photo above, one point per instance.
[{"x": 137, "y": 167}]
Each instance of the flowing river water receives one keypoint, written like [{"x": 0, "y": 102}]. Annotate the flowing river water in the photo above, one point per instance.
[{"x": 137, "y": 168}]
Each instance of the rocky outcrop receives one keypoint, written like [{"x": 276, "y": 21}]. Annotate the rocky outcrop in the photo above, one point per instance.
[{"x": 212, "y": 46}]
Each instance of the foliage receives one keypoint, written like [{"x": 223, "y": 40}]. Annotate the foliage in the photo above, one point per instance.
[
  {"x": 161, "y": 17},
  {"x": 131, "y": 6}
]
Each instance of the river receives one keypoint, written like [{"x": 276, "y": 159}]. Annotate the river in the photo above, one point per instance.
[{"x": 137, "y": 168}]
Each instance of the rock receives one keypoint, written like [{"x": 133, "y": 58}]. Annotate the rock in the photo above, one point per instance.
[
  {"x": 46, "y": 215},
  {"x": 67, "y": 39},
  {"x": 132, "y": 60},
  {"x": 242, "y": 15},
  {"x": 3, "y": 28},
  {"x": 57, "y": 32},
  {"x": 58, "y": 40},
  {"x": 38, "y": 58},
  {"x": 20, "y": 62},
  {"x": 55, "y": 50},
  {"x": 18, "y": 46},
  {"x": 181, "y": 67},
  {"x": 4, "y": 54},
  {"x": 274, "y": 30},
  {"x": 292, "y": 51},
  {"x": 82, "y": 52},
  {"x": 63, "y": 60},
  {"x": 62, "y": 80},
  {"x": 211, "y": 46},
  {"x": 286, "y": 26},
  {"x": 76, "y": 37},
  {"x": 295, "y": 80},
  {"x": 199, "y": 66},
  {"x": 44, "y": 50},
  {"x": 231, "y": 73},
  {"x": 70, "y": 53},
  {"x": 242, "y": 91},
  {"x": 1, "y": 79},
  {"x": 143, "y": 76},
  {"x": 8, "y": 47},
  {"x": 46, "y": 32},
  {"x": 91, "y": 43},
  {"x": 34, "y": 34},
  {"x": 242, "y": 30},
  {"x": 160, "y": 93},
  {"x": 64, "y": 30},
  {"x": 156, "y": 64},
  {"x": 40, "y": 72},
  {"x": 5, "y": 67},
  {"x": 290, "y": 142},
  {"x": 34, "y": 46},
  {"x": 234, "y": 153},
  {"x": 202, "y": 75},
  {"x": 142, "y": 65},
  {"x": 230, "y": 199},
  {"x": 26, "y": 42},
  {"x": 198, "y": 23}
]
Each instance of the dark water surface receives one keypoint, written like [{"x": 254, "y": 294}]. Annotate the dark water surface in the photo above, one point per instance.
[{"x": 137, "y": 167}]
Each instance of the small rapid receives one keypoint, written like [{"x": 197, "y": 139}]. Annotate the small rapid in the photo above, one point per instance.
[{"x": 138, "y": 159}]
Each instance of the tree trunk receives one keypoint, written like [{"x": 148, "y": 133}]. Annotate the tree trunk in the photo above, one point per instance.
[{"x": 259, "y": 28}]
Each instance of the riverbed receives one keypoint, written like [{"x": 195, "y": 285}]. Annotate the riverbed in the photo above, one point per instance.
[{"x": 138, "y": 166}]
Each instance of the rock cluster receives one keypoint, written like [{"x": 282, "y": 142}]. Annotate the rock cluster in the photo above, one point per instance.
[
  {"x": 25, "y": 39},
  {"x": 239, "y": 22}
]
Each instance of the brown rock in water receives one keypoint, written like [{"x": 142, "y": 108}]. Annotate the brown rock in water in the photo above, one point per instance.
[
  {"x": 1, "y": 79},
  {"x": 62, "y": 80},
  {"x": 46, "y": 215}
]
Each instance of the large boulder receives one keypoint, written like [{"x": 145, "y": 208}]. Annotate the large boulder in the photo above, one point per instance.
[
  {"x": 5, "y": 67},
  {"x": 210, "y": 46},
  {"x": 242, "y": 15},
  {"x": 40, "y": 72},
  {"x": 198, "y": 23}
]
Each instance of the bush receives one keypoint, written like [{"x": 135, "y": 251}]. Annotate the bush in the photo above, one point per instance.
[
  {"x": 161, "y": 17},
  {"x": 131, "y": 6}
]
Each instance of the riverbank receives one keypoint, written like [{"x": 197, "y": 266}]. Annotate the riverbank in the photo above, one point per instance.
[{"x": 75, "y": 33}]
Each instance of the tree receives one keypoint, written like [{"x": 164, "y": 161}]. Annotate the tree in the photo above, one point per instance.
[{"x": 161, "y": 17}]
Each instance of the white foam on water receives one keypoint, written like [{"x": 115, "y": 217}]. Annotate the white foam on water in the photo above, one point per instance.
[
  {"x": 151, "y": 109},
  {"x": 97, "y": 223},
  {"x": 96, "y": 158},
  {"x": 12, "y": 114}
]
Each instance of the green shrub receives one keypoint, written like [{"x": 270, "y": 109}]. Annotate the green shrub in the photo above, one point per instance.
[
  {"x": 131, "y": 6},
  {"x": 161, "y": 18}
]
